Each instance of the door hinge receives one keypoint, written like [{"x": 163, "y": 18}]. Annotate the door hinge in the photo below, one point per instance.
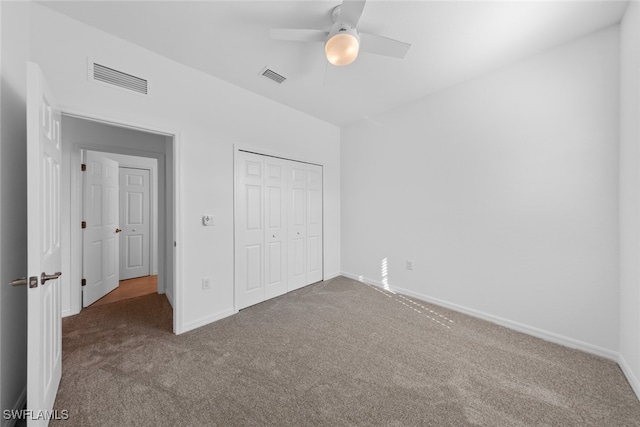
[
  {"x": 84, "y": 224},
  {"x": 84, "y": 282},
  {"x": 83, "y": 167}
]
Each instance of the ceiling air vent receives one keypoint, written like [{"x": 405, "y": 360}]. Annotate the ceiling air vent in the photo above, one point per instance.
[
  {"x": 270, "y": 74},
  {"x": 110, "y": 76}
]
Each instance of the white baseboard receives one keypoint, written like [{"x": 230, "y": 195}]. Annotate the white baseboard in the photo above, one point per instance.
[
  {"x": 517, "y": 326},
  {"x": 67, "y": 313},
  {"x": 631, "y": 378},
  {"x": 20, "y": 402},
  {"x": 205, "y": 320},
  {"x": 364, "y": 280},
  {"x": 332, "y": 276}
]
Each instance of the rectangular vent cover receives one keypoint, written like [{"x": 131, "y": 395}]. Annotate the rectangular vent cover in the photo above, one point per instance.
[
  {"x": 120, "y": 79},
  {"x": 270, "y": 74}
]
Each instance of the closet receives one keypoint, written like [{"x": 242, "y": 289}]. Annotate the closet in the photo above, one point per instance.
[{"x": 278, "y": 226}]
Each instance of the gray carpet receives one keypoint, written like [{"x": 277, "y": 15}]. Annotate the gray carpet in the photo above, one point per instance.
[{"x": 336, "y": 353}]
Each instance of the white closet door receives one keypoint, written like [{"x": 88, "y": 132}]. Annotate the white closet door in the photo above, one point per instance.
[
  {"x": 314, "y": 224},
  {"x": 275, "y": 221},
  {"x": 250, "y": 231},
  {"x": 296, "y": 203},
  {"x": 278, "y": 227}
]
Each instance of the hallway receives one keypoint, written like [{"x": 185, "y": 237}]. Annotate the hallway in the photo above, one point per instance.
[{"x": 131, "y": 288}]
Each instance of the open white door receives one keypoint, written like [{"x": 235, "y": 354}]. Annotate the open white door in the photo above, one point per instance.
[
  {"x": 101, "y": 245},
  {"x": 44, "y": 321}
]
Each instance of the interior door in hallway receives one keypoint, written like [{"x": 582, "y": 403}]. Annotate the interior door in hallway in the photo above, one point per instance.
[
  {"x": 100, "y": 251},
  {"x": 134, "y": 222}
]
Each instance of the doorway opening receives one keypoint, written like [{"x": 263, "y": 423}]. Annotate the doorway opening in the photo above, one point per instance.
[
  {"x": 147, "y": 250},
  {"x": 120, "y": 235}
]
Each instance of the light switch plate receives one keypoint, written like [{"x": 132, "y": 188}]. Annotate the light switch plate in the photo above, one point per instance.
[{"x": 207, "y": 220}]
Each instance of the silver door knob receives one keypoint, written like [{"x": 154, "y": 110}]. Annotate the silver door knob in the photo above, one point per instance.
[
  {"x": 19, "y": 281},
  {"x": 32, "y": 281},
  {"x": 44, "y": 277}
]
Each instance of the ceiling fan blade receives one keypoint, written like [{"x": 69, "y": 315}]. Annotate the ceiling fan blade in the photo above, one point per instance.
[
  {"x": 380, "y": 45},
  {"x": 299, "y": 35},
  {"x": 351, "y": 11}
]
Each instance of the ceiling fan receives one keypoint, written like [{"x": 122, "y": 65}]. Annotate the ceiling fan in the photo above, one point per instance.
[{"x": 343, "y": 41}]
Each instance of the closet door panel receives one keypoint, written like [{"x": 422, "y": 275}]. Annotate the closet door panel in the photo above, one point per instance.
[
  {"x": 253, "y": 279},
  {"x": 296, "y": 204},
  {"x": 250, "y": 230},
  {"x": 314, "y": 224},
  {"x": 275, "y": 228}
]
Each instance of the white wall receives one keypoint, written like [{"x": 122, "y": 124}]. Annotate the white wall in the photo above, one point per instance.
[
  {"x": 0, "y": 209},
  {"x": 13, "y": 206},
  {"x": 80, "y": 134},
  {"x": 630, "y": 195},
  {"x": 210, "y": 115},
  {"x": 503, "y": 193}
]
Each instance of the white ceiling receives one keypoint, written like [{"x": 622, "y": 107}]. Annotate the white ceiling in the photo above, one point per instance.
[{"x": 452, "y": 41}]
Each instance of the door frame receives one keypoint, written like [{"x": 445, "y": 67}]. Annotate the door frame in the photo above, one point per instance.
[
  {"x": 263, "y": 152},
  {"x": 171, "y": 254}
]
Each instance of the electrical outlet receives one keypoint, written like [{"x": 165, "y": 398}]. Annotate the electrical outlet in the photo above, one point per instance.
[
  {"x": 206, "y": 283},
  {"x": 409, "y": 265}
]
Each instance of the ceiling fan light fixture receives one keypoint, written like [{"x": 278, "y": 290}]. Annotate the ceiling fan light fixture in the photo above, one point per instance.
[{"x": 342, "y": 47}]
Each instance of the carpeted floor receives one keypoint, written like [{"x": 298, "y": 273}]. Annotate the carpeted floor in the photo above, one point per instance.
[{"x": 336, "y": 353}]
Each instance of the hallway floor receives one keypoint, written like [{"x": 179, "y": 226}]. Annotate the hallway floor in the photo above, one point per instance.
[{"x": 131, "y": 288}]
